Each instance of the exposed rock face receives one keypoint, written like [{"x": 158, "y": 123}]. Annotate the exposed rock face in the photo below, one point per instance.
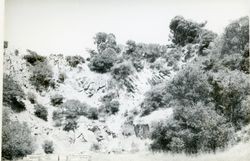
[{"x": 142, "y": 131}]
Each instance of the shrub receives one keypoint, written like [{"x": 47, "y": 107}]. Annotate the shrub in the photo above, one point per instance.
[
  {"x": 12, "y": 94},
  {"x": 48, "y": 147},
  {"x": 184, "y": 31},
  {"x": 41, "y": 76},
  {"x": 236, "y": 36},
  {"x": 230, "y": 90},
  {"x": 95, "y": 147},
  {"x": 33, "y": 58},
  {"x": 41, "y": 112},
  {"x": 61, "y": 77},
  {"x": 103, "y": 62},
  {"x": 56, "y": 99},
  {"x": 154, "y": 99},
  {"x": 16, "y": 138},
  {"x": 75, "y": 60},
  {"x": 104, "y": 41},
  {"x": 71, "y": 125},
  {"x": 193, "y": 129},
  {"x": 31, "y": 97},
  {"x": 75, "y": 107},
  {"x": 122, "y": 70},
  {"x": 92, "y": 113},
  {"x": 110, "y": 108}
]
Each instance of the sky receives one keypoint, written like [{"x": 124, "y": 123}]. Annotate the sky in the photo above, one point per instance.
[{"x": 68, "y": 26}]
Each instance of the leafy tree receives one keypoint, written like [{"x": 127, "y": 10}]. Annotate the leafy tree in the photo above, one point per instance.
[
  {"x": 230, "y": 90},
  {"x": 102, "y": 63},
  {"x": 41, "y": 76},
  {"x": 75, "y": 60},
  {"x": 12, "y": 94},
  {"x": 154, "y": 99},
  {"x": 122, "y": 70},
  {"x": 184, "y": 31},
  {"x": 16, "y": 138},
  {"x": 33, "y": 58},
  {"x": 193, "y": 129},
  {"x": 104, "y": 41}
]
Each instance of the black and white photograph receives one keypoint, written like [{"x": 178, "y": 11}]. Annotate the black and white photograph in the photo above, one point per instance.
[{"x": 125, "y": 80}]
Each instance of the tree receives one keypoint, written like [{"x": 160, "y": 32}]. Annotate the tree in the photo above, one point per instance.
[
  {"x": 184, "y": 31},
  {"x": 193, "y": 129},
  {"x": 12, "y": 94},
  {"x": 16, "y": 138},
  {"x": 41, "y": 76},
  {"x": 102, "y": 63}
]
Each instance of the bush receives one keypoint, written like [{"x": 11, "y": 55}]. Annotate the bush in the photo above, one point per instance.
[
  {"x": 12, "y": 94},
  {"x": 41, "y": 76},
  {"x": 110, "y": 108},
  {"x": 33, "y": 58},
  {"x": 31, "y": 97},
  {"x": 193, "y": 129},
  {"x": 230, "y": 90},
  {"x": 71, "y": 125},
  {"x": 103, "y": 62},
  {"x": 104, "y": 41},
  {"x": 61, "y": 77},
  {"x": 154, "y": 99},
  {"x": 16, "y": 138},
  {"x": 56, "y": 99},
  {"x": 92, "y": 113},
  {"x": 75, "y": 60},
  {"x": 41, "y": 112},
  {"x": 236, "y": 36},
  {"x": 75, "y": 107},
  {"x": 122, "y": 70},
  {"x": 48, "y": 147},
  {"x": 95, "y": 147},
  {"x": 184, "y": 31}
]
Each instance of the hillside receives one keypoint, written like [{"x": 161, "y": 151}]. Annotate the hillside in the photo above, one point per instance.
[{"x": 188, "y": 97}]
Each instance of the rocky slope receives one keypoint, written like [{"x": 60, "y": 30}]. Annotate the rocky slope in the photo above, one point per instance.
[{"x": 115, "y": 133}]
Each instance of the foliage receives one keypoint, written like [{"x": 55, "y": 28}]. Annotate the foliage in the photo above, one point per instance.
[
  {"x": 71, "y": 125},
  {"x": 184, "y": 31},
  {"x": 122, "y": 70},
  {"x": 193, "y": 129},
  {"x": 110, "y": 108},
  {"x": 61, "y": 77},
  {"x": 33, "y": 58},
  {"x": 92, "y": 113},
  {"x": 12, "y": 94},
  {"x": 150, "y": 52},
  {"x": 56, "y": 99},
  {"x": 154, "y": 99},
  {"x": 41, "y": 112},
  {"x": 41, "y": 77},
  {"x": 236, "y": 36},
  {"x": 48, "y": 147},
  {"x": 230, "y": 90},
  {"x": 103, "y": 62},
  {"x": 104, "y": 41},
  {"x": 16, "y": 138},
  {"x": 31, "y": 97},
  {"x": 74, "y": 108},
  {"x": 75, "y": 60}
]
